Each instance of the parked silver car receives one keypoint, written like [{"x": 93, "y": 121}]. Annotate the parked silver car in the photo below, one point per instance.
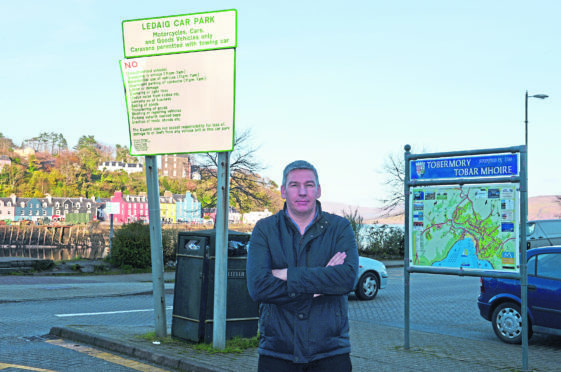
[{"x": 372, "y": 276}]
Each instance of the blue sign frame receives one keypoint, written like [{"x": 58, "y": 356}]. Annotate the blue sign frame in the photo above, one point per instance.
[{"x": 502, "y": 165}]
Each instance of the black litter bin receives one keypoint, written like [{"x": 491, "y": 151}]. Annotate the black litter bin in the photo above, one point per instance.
[{"x": 193, "y": 302}]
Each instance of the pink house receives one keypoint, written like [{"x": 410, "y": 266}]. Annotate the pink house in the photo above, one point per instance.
[{"x": 133, "y": 207}]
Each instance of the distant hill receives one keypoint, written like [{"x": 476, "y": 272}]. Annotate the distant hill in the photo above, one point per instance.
[
  {"x": 539, "y": 208},
  {"x": 369, "y": 214},
  {"x": 544, "y": 207}
]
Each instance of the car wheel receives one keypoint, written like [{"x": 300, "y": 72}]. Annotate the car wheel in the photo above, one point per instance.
[
  {"x": 507, "y": 323},
  {"x": 367, "y": 287}
]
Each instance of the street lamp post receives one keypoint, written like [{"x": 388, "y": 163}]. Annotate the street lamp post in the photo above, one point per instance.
[
  {"x": 540, "y": 96},
  {"x": 523, "y": 263}
]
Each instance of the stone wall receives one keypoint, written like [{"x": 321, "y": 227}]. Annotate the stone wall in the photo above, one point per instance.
[{"x": 53, "y": 242}]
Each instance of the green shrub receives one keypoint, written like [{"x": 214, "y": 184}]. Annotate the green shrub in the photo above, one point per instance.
[
  {"x": 131, "y": 246},
  {"x": 357, "y": 224},
  {"x": 169, "y": 243},
  {"x": 383, "y": 241},
  {"x": 41, "y": 265}
]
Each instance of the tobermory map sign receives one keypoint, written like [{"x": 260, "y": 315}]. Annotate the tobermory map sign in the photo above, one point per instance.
[
  {"x": 465, "y": 167},
  {"x": 469, "y": 227},
  {"x": 464, "y": 226}
]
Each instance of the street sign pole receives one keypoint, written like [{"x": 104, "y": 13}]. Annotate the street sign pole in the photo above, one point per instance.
[
  {"x": 111, "y": 235},
  {"x": 221, "y": 264},
  {"x": 156, "y": 248},
  {"x": 406, "y": 274},
  {"x": 523, "y": 248}
]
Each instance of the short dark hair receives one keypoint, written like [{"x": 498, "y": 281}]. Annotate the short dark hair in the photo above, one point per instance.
[{"x": 298, "y": 164}]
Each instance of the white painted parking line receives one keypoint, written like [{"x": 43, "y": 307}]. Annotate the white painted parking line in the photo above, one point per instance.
[{"x": 109, "y": 312}]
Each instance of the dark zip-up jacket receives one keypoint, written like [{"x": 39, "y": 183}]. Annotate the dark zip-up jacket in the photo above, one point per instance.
[{"x": 293, "y": 324}]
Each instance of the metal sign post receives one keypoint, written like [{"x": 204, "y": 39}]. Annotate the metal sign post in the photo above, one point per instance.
[
  {"x": 406, "y": 274},
  {"x": 156, "y": 247},
  {"x": 112, "y": 209},
  {"x": 523, "y": 260},
  {"x": 454, "y": 202},
  {"x": 221, "y": 264}
]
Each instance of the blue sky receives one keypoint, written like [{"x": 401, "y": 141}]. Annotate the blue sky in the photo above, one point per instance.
[{"x": 343, "y": 85}]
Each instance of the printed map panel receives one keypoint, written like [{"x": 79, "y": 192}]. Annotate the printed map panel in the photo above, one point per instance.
[{"x": 472, "y": 227}]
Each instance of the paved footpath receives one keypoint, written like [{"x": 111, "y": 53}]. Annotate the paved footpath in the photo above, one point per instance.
[{"x": 375, "y": 347}]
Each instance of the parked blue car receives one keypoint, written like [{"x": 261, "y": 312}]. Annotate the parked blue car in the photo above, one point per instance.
[{"x": 500, "y": 303}]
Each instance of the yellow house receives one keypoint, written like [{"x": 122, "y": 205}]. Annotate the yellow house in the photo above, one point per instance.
[{"x": 168, "y": 210}]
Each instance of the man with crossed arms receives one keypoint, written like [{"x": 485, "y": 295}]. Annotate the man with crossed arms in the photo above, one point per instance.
[{"x": 301, "y": 265}]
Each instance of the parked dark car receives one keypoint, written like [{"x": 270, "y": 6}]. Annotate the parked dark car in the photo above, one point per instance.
[{"x": 499, "y": 301}]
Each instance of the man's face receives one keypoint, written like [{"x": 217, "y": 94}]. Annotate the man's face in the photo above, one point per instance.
[{"x": 301, "y": 192}]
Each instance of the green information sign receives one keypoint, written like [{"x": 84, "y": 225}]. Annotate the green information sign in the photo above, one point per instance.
[
  {"x": 465, "y": 227},
  {"x": 180, "y": 33}
]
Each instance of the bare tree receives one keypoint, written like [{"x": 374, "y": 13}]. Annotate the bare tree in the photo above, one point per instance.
[
  {"x": 394, "y": 170},
  {"x": 246, "y": 185}
]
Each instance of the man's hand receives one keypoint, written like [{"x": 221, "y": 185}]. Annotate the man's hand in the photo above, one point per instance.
[
  {"x": 280, "y": 273},
  {"x": 337, "y": 259}
]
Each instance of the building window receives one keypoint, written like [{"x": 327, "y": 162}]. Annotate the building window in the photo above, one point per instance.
[{"x": 77, "y": 205}]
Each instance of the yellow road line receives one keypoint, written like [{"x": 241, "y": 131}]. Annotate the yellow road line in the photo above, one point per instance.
[
  {"x": 6, "y": 365},
  {"x": 115, "y": 359}
]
